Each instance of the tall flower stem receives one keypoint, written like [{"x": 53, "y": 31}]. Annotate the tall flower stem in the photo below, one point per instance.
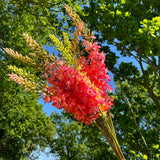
[{"x": 105, "y": 125}]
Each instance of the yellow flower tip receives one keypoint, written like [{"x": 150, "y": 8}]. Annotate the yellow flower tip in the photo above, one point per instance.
[
  {"x": 78, "y": 68},
  {"x": 98, "y": 97}
]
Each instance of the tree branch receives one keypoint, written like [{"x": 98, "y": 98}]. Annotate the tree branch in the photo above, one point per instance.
[
  {"x": 154, "y": 98},
  {"x": 146, "y": 59},
  {"x": 154, "y": 81},
  {"x": 131, "y": 144},
  {"x": 134, "y": 118},
  {"x": 128, "y": 78},
  {"x": 143, "y": 73},
  {"x": 159, "y": 65}
]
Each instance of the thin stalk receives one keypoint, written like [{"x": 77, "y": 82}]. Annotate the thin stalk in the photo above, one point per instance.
[
  {"x": 110, "y": 139},
  {"x": 108, "y": 121},
  {"x": 134, "y": 118},
  {"x": 105, "y": 125},
  {"x": 107, "y": 138}
]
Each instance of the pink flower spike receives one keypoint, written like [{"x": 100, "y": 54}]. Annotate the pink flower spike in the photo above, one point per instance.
[
  {"x": 92, "y": 37},
  {"x": 80, "y": 26}
]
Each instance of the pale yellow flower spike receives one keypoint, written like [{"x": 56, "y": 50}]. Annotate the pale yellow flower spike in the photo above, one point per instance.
[
  {"x": 64, "y": 52},
  {"x": 20, "y": 57}
]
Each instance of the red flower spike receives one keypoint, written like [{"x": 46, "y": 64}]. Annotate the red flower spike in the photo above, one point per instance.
[{"x": 81, "y": 90}]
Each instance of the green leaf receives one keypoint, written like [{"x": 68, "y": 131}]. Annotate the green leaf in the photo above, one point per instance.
[
  {"x": 145, "y": 157},
  {"x": 156, "y": 146}
]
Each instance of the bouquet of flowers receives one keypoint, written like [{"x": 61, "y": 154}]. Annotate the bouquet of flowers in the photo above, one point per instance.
[{"x": 74, "y": 82}]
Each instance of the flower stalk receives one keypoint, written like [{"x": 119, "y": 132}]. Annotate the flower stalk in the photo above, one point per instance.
[{"x": 105, "y": 125}]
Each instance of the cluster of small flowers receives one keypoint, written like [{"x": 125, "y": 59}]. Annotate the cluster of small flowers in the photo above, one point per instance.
[
  {"x": 95, "y": 67},
  {"x": 29, "y": 86},
  {"x": 17, "y": 79},
  {"x": 81, "y": 90}
]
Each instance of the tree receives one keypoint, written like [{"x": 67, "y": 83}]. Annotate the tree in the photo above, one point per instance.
[
  {"x": 133, "y": 28},
  {"x": 74, "y": 140},
  {"x": 136, "y": 123},
  {"x": 23, "y": 125}
]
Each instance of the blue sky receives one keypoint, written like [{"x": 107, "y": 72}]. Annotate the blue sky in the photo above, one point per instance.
[{"x": 44, "y": 155}]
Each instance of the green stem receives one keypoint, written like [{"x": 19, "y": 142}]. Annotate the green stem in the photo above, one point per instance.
[{"x": 105, "y": 125}]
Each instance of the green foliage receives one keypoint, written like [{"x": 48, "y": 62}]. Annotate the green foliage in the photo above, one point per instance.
[
  {"x": 34, "y": 17},
  {"x": 135, "y": 120},
  {"x": 23, "y": 125},
  {"x": 75, "y": 141},
  {"x": 133, "y": 28}
]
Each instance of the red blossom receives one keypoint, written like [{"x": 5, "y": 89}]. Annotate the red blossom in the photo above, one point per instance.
[{"x": 81, "y": 91}]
